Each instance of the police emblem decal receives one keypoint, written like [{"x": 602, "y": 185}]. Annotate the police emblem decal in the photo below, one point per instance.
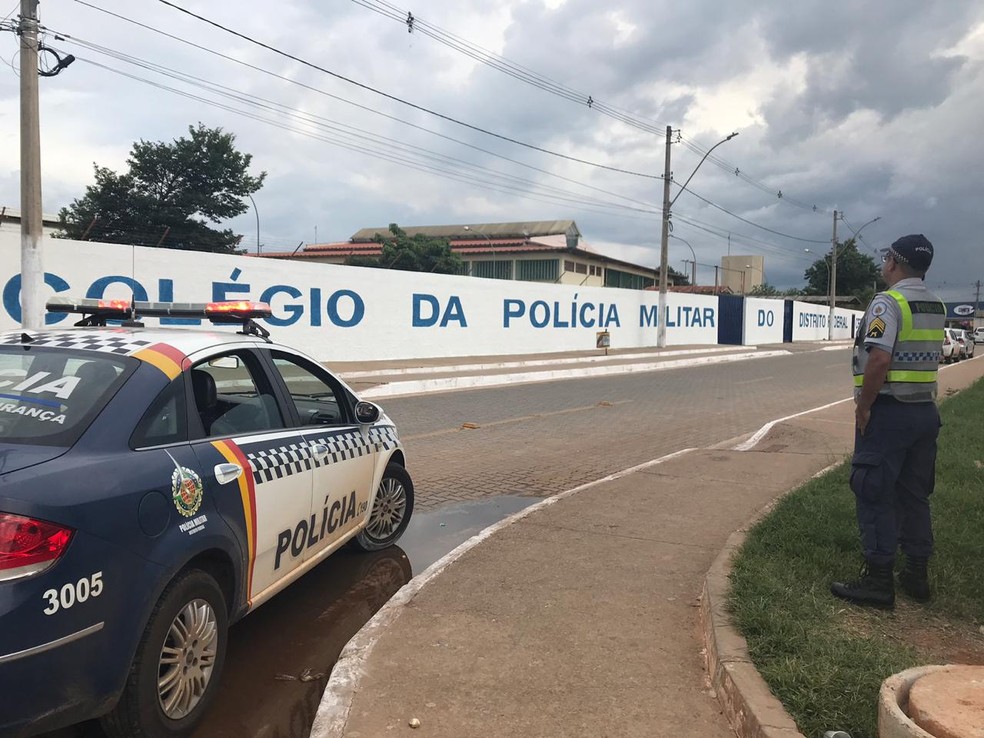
[
  {"x": 876, "y": 329},
  {"x": 186, "y": 491},
  {"x": 877, "y": 309}
]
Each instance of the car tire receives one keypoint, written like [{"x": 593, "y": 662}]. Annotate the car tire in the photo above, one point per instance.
[
  {"x": 190, "y": 619},
  {"x": 390, "y": 512}
]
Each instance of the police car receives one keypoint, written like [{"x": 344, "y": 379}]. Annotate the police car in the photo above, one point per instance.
[{"x": 155, "y": 486}]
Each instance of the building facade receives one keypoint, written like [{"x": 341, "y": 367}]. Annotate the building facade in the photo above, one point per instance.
[{"x": 537, "y": 251}]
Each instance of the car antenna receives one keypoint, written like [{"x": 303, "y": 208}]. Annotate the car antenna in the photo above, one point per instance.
[{"x": 132, "y": 322}]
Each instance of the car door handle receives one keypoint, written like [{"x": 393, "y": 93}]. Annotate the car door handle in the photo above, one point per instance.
[
  {"x": 319, "y": 451},
  {"x": 225, "y": 473}
]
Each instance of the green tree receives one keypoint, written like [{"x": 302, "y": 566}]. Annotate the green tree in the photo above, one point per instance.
[
  {"x": 857, "y": 274},
  {"x": 169, "y": 195},
  {"x": 767, "y": 290},
  {"x": 417, "y": 253}
]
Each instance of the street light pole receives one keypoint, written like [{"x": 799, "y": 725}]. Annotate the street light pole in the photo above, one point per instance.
[
  {"x": 257, "y": 222},
  {"x": 665, "y": 234},
  {"x": 491, "y": 247},
  {"x": 833, "y": 269},
  {"x": 693, "y": 279}
]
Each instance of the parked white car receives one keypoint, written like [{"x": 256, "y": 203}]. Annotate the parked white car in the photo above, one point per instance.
[
  {"x": 969, "y": 342},
  {"x": 979, "y": 335}
]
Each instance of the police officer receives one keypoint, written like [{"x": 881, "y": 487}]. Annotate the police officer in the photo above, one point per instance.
[{"x": 893, "y": 471}]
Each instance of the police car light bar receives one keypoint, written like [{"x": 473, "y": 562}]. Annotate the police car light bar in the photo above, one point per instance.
[{"x": 218, "y": 312}]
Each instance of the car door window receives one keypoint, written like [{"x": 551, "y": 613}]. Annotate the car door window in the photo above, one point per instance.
[
  {"x": 317, "y": 399},
  {"x": 233, "y": 396}
]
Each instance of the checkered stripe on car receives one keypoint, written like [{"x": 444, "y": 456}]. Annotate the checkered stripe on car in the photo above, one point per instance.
[
  {"x": 385, "y": 436},
  {"x": 341, "y": 447},
  {"x": 79, "y": 340},
  {"x": 280, "y": 462},
  {"x": 283, "y": 461}
]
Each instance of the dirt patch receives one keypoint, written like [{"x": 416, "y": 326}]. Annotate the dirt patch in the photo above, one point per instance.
[{"x": 937, "y": 639}]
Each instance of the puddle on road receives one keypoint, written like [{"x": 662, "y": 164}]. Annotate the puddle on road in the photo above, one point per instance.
[
  {"x": 434, "y": 533},
  {"x": 280, "y": 656}
]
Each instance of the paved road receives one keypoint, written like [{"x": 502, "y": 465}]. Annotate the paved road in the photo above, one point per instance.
[{"x": 540, "y": 439}]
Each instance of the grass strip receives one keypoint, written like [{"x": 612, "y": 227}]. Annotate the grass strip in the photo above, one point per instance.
[{"x": 825, "y": 659}]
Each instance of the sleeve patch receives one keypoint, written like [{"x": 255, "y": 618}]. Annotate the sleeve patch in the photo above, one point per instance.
[
  {"x": 876, "y": 329},
  {"x": 878, "y": 309}
]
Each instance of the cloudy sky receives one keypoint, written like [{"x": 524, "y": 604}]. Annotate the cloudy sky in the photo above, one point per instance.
[{"x": 872, "y": 109}]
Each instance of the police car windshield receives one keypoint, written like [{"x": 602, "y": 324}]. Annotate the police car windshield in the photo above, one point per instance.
[{"x": 48, "y": 397}]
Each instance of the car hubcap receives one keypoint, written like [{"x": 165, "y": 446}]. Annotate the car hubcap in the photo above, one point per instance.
[
  {"x": 388, "y": 512},
  {"x": 187, "y": 659}
]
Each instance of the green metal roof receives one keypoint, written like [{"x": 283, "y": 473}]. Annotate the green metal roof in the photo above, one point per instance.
[{"x": 525, "y": 229}]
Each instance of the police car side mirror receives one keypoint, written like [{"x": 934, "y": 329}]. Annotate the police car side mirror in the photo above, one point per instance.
[{"x": 366, "y": 413}]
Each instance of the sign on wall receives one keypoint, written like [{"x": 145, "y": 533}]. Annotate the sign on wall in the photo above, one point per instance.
[
  {"x": 763, "y": 321},
  {"x": 339, "y": 313}
]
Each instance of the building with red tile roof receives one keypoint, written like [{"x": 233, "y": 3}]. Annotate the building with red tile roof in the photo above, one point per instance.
[{"x": 535, "y": 251}]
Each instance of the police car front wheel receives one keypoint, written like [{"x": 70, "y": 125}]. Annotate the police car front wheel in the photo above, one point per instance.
[
  {"x": 391, "y": 510},
  {"x": 176, "y": 669}
]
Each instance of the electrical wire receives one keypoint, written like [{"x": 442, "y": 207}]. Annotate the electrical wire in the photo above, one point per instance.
[
  {"x": 400, "y": 100},
  {"x": 416, "y": 24},
  {"x": 191, "y": 79},
  {"x": 751, "y": 223},
  {"x": 95, "y": 7},
  {"x": 598, "y": 207},
  {"x": 454, "y": 175}
]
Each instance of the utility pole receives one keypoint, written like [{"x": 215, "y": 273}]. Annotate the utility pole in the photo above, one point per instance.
[
  {"x": 664, "y": 250},
  {"x": 32, "y": 266},
  {"x": 977, "y": 300},
  {"x": 833, "y": 280}
]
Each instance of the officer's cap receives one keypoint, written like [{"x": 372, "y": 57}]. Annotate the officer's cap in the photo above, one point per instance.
[{"x": 914, "y": 250}]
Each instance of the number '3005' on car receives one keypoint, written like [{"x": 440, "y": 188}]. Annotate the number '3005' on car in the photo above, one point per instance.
[{"x": 155, "y": 486}]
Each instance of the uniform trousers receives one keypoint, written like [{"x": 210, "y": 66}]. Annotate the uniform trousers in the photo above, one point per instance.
[{"x": 893, "y": 473}]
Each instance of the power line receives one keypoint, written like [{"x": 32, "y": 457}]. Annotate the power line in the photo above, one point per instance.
[
  {"x": 246, "y": 97},
  {"x": 745, "y": 220},
  {"x": 455, "y": 175},
  {"x": 495, "y": 61},
  {"x": 400, "y": 100},
  {"x": 520, "y": 187},
  {"x": 263, "y": 45}
]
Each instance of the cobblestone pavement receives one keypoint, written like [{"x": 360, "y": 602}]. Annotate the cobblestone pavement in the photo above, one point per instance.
[{"x": 537, "y": 440}]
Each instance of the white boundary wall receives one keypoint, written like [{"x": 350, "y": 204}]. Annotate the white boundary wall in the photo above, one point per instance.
[
  {"x": 810, "y": 322},
  {"x": 763, "y": 321},
  {"x": 338, "y": 313}
]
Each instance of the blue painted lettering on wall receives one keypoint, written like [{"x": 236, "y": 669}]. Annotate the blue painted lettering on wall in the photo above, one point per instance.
[
  {"x": 343, "y": 308},
  {"x": 766, "y": 318},
  {"x": 556, "y": 314},
  {"x": 813, "y": 320},
  {"x": 840, "y": 321},
  {"x": 427, "y": 311},
  {"x": 11, "y": 297},
  {"x": 681, "y": 316}
]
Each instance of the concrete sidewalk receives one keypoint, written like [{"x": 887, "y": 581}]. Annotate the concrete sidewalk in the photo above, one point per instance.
[
  {"x": 375, "y": 380},
  {"x": 581, "y": 616}
]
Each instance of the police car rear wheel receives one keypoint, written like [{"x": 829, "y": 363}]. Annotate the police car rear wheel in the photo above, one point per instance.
[
  {"x": 176, "y": 669},
  {"x": 390, "y": 512}
]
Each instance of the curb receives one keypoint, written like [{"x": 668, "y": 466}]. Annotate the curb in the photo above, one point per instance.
[{"x": 751, "y": 708}]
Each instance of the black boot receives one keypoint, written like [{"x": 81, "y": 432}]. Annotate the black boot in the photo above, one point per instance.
[
  {"x": 875, "y": 587},
  {"x": 914, "y": 579}
]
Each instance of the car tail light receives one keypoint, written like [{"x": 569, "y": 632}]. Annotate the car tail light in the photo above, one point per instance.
[{"x": 29, "y": 546}]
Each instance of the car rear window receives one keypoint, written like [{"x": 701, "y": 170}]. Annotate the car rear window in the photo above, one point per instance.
[{"x": 49, "y": 396}]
